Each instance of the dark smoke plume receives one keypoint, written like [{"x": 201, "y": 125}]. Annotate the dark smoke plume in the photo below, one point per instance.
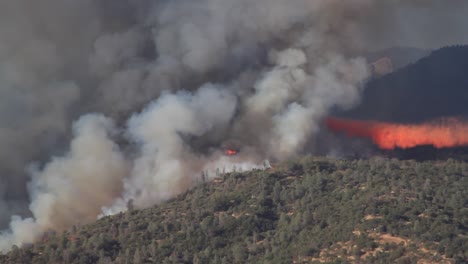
[{"x": 169, "y": 83}]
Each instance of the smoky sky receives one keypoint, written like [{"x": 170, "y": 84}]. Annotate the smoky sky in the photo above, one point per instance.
[{"x": 150, "y": 89}]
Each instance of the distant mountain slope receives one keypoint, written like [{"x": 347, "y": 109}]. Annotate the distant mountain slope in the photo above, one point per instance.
[
  {"x": 400, "y": 56},
  {"x": 435, "y": 86},
  {"x": 314, "y": 210}
]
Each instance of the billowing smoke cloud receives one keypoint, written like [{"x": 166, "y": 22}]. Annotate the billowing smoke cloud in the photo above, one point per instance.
[
  {"x": 166, "y": 165},
  {"x": 259, "y": 75},
  {"x": 61, "y": 192}
]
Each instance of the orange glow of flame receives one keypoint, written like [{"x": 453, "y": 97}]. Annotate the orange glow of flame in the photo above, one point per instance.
[
  {"x": 231, "y": 152},
  {"x": 451, "y": 133}
]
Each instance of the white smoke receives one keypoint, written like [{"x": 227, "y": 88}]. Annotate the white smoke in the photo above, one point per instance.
[
  {"x": 261, "y": 74},
  {"x": 166, "y": 163},
  {"x": 60, "y": 192}
]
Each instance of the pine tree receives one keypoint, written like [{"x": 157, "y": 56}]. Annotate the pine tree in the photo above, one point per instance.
[{"x": 137, "y": 257}]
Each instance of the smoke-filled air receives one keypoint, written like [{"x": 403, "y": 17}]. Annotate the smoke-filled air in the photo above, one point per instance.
[{"x": 106, "y": 103}]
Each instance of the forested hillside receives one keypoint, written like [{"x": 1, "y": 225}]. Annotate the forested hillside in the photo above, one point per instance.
[{"x": 312, "y": 210}]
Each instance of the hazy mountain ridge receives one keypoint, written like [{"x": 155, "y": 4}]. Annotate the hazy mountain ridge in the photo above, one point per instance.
[
  {"x": 310, "y": 210},
  {"x": 399, "y": 56},
  {"x": 433, "y": 87}
]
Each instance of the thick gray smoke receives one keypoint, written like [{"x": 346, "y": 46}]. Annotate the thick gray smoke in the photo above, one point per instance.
[{"x": 174, "y": 82}]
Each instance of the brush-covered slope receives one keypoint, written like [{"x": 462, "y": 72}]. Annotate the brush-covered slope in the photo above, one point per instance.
[{"x": 312, "y": 210}]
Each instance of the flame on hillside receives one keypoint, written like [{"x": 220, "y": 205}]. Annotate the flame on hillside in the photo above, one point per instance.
[
  {"x": 444, "y": 133},
  {"x": 230, "y": 152}
]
